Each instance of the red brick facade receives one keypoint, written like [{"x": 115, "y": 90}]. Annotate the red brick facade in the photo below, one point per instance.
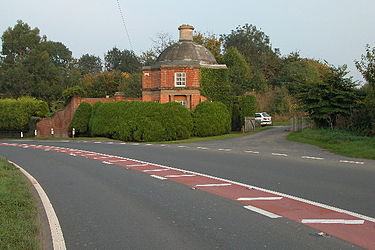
[{"x": 159, "y": 86}]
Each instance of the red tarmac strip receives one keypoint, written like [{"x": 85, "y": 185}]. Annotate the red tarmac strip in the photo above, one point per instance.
[{"x": 293, "y": 208}]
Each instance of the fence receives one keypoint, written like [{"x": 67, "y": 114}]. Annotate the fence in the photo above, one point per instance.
[{"x": 299, "y": 123}]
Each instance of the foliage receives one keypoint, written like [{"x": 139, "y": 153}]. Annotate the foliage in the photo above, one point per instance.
[
  {"x": 73, "y": 91},
  {"x": 124, "y": 61},
  {"x": 367, "y": 65},
  {"x": 215, "y": 86},
  {"x": 132, "y": 86},
  {"x": 34, "y": 66},
  {"x": 104, "y": 83},
  {"x": 160, "y": 43},
  {"x": 141, "y": 121},
  {"x": 94, "y": 113},
  {"x": 89, "y": 64},
  {"x": 18, "y": 213},
  {"x": 247, "y": 107},
  {"x": 81, "y": 118},
  {"x": 281, "y": 102},
  {"x": 15, "y": 114},
  {"x": 211, "y": 118},
  {"x": 255, "y": 46},
  {"x": 210, "y": 42},
  {"x": 325, "y": 101},
  {"x": 238, "y": 71}
]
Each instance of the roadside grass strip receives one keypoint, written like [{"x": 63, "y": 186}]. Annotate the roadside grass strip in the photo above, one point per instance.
[
  {"x": 18, "y": 210},
  {"x": 350, "y": 226}
]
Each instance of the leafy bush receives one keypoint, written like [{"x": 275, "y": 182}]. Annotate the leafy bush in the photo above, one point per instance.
[
  {"x": 141, "y": 121},
  {"x": 211, "y": 118},
  {"x": 73, "y": 91},
  {"x": 247, "y": 107},
  {"x": 15, "y": 114},
  {"x": 81, "y": 119}
]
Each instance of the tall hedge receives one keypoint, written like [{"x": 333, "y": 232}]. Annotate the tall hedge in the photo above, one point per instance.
[
  {"x": 211, "y": 118},
  {"x": 141, "y": 121},
  {"x": 81, "y": 118},
  {"x": 15, "y": 114},
  {"x": 247, "y": 107}
]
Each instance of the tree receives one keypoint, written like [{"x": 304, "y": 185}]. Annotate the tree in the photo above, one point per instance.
[
  {"x": 104, "y": 83},
  {"x": 132, "y": 86},
  {"x": 325, "y": 100},
  {"x": 90, "y": 64},
  {"x": 256, "y": 47},
  {"x": 160, "y": 43},
  {"x": 238, "y": 71},
  {"x": 59, "y": 54},
  {"x": 124, "y": 61},
  {"x": 210, "y": 42},
  {"x": 367, "y": 65}
]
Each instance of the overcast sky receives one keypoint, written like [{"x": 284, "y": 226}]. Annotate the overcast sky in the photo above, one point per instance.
[{"x": 332, "y": 30}]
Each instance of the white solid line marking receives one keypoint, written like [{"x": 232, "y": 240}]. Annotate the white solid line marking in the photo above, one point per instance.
[
  {"x": 155, "y": 170},
  {"x": 179, "y": 175},
  {"x": 88, "y": 154},
  {"x": 353, "y": 162},
  {"x": 58, "y": 241},
  {"x": 312, "y": 158},
  {"x": 259, "y": 198},
  {"x": 332, "y": 221},
  {"x": 263, "y": 212},
  {"x": 102, "y": 157},
  {"x": 116, "y": 160},
  {"x": 278, "y": 154},
  {"x": 158, "y": 177},
  {"x": 137, "y": 165},
  {"x": 202, "y": 148},
  {"x": 213, "y": 185},
  {"x": 253, "y": 152}
]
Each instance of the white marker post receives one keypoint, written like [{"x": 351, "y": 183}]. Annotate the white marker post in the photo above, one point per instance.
[
  {"x": 36, "y": 133},
  {"x": 21, "y": 134},
  {"x": 73, "y": 132},
  {"x": 52, "y": 132}
]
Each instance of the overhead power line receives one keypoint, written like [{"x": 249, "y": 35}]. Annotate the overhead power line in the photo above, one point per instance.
[{"x": 124, "y": 24}]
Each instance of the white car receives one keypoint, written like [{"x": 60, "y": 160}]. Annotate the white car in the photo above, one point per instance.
[{"x": 263, "y": 118}]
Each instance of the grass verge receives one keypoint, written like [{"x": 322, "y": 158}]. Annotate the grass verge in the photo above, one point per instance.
[
  {"x": 337, "y": 141},
  {"x": 18, "y": 211},
  {"x": 214, "y": 138}
]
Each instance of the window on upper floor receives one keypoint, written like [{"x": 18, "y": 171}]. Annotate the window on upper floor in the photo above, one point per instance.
[{"x": 180, "y": 79}]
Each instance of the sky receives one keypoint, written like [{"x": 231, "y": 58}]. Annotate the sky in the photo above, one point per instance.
[{"x": 336, "y": 31}]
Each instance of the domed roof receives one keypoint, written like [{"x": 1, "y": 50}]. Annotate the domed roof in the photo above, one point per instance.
[{"x": 186, "y": 52}]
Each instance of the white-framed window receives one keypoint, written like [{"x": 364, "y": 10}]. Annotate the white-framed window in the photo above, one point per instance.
[{"x": 180, "y": 79}]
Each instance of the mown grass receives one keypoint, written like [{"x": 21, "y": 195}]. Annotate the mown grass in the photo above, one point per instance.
[
  {"x": 18, "y": 211},
  {"x": 338, "y": 141},
  {"x": 214, "y": 138}
]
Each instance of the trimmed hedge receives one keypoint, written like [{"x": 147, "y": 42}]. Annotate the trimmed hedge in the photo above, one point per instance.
[
  {"x": 141, "y": 121},
  {"x": 15, "y": 114},
  {"x": 247, "y": 107},
  {"x": 81, "y": 119},
  {"x": 211, "y": 118}
]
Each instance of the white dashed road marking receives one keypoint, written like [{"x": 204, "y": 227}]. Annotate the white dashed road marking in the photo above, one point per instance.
[
  {"x": 332, "y": 221},
  {"x": 312, "y": 158},
  {"x": 352, "y": 162},
  {"x": 253, "y": 152},
  {"x": 278, "y": 154},
  {"x": 263, "y": 212},
  {"x": 225, "y": 149},
  {"x": 202, "y": 148},
  {"x": 158, "y": 177},
  {"x": 259, "y": 198}
]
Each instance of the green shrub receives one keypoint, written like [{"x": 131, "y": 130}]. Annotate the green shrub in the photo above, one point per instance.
[
  {"x": 73, "y": 91},
  {"x": 81, "y": 119},
  {"x": 247, "y": 107},
  {"x": 15, "y": 114},
  {"x": 211, "y": 118},
  {"x": 141, "y": 121}
]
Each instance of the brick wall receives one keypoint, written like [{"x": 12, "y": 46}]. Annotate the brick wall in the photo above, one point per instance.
[{"x": 61, "y": 120}]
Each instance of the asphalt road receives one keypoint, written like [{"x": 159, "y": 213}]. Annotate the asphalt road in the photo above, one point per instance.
[{"x": 104, "y": 206}]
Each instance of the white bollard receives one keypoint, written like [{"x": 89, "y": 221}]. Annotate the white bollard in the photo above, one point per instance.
[
  {"x": 52, "y": 132},
  {"x": 21, "y": 134},
  {"x": 35, "y": 132},
  {"x": 73, "y": 132}
]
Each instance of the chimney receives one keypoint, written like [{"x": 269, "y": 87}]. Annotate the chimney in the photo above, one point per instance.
[{"x": 186, "y": 32}]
